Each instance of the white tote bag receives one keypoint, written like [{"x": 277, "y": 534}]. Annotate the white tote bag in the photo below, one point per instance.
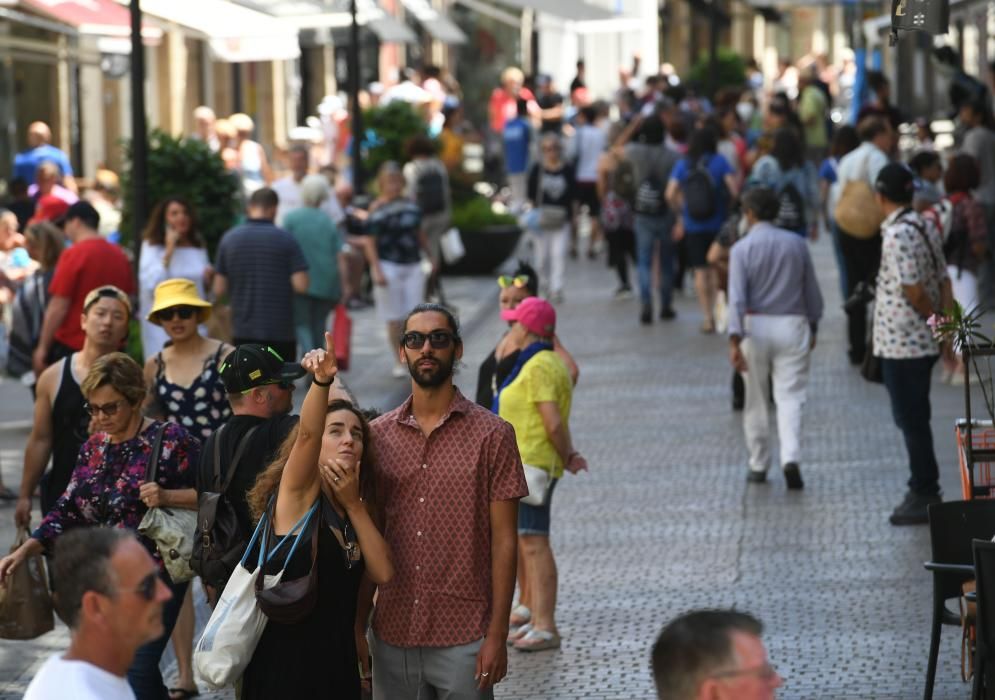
[
  {"x": 230, "y": 637},
  {"x": 538, "y": 480},
  {"x": 452, "y": 246}
]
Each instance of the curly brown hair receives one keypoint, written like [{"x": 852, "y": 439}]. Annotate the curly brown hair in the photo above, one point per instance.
[
  {"x": 268, "y": 480},
  {"x": 155, "y": 230}
]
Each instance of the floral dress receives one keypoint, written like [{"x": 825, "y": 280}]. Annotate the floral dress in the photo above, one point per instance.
[
  {"x": 201, "y": 407},
  {"x": 104, "y": 486}
]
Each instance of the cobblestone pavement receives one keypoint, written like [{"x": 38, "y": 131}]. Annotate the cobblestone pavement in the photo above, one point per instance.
[{"x": 664, "y": 521}]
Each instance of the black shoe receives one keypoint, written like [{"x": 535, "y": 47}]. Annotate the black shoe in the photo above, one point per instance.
[
  {"x": 646, "y": 316},
  {"x": 793, "y": 476},
  {"x": 755, "y": 477},
  {"x": 738, "y": 392},
  {"x": 667, "y": 314},
  {"x": 913, "y": 510}
]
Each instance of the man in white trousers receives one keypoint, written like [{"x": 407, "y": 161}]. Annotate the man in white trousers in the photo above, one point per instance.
[{"x": 774, "y": 311}]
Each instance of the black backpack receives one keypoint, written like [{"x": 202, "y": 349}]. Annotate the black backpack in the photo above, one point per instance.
[
  {"x": 649, "y": 196},
  {"x": 219, "y": 540},
  {"x": 700, "y": 192},
  {"x": 431, "y": 192},
  {"x": 791, "y": 209}
]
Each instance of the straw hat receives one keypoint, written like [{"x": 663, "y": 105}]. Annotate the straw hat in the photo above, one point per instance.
[{"x": 177, "y": 292}]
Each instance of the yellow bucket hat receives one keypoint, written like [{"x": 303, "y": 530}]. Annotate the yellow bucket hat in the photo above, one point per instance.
[{"x": 177, "y": 292}]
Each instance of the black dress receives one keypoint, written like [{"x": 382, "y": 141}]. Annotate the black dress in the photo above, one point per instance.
[
  {"x": 315, "y": 658},
  {"x": 492, "y": 374}
]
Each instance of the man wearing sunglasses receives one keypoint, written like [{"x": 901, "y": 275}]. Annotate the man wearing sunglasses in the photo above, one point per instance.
[
  {"x": 713, "y": 655},
  {"x": 108, "y": 590},
  {"x": 61, "y": 423},
  {"x": 448, "y": 480}
]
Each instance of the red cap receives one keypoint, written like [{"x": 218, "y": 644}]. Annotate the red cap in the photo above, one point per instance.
[
  {"x": 537, "y": 315},
  {"x": 50, "y": 208}
]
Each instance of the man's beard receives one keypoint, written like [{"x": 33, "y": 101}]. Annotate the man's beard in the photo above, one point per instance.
[{"x": 437, "y": 376}]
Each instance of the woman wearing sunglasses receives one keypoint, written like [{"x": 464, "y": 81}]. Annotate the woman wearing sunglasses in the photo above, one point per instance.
[
  {"x": 108, "y": 488},
  {"x": 184, "y": 382},
  {"x": 172, "y": 248}
]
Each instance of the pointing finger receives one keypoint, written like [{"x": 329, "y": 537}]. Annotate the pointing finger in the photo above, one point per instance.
[{"x": 329, "y": 343}]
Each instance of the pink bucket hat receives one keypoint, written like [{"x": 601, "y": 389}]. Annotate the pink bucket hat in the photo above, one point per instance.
[{"x": 537, "y": 315}]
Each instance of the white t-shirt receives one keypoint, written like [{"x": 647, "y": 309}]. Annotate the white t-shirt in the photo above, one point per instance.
[
  {"x": 59, "y": 679},
  {"x": 289, "y": 193}
]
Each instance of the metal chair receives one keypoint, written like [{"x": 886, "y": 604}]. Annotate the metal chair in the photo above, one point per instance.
[{"x": 952, "y": 527}]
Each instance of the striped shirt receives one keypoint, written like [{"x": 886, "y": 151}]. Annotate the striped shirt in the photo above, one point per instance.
[{"x": 258, "y": 259}]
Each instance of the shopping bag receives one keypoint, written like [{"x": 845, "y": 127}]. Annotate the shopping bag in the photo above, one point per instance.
[
  {"x": 342, "y": 332},
  {"x": 452, "y": 246},
  {"x": 225, "y": 649},
  {"x": 25, "y": 603},
  {"x": 539, "y": 481}
]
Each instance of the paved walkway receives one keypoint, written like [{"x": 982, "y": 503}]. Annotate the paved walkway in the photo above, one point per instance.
[{"x": 665, "y": 522}]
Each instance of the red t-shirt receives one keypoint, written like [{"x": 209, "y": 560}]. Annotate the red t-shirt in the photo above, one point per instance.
[
  {"x": 82, "y": 268},
  {"x": 504, "y": 106}
]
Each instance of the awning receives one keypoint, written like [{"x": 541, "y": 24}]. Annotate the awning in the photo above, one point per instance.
[
  {"x": 434, "y": 22},
  {"x": 573, "y": 15},
  {"x": 575, "y": 10},
  {"x": 315, "y": 14},
  {"x": 236, "y": 34},
  {"x": 101, "y": 18}
]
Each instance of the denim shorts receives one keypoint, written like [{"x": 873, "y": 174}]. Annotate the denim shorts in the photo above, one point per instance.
[{"x": 534, "y": 520}]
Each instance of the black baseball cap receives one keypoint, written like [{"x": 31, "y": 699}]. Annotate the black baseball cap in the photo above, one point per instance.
[
  {"x": 896, "y": 183},
  {"x": 250, "y": 366}
]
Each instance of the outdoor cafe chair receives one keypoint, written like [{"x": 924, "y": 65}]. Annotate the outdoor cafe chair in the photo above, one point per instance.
[
  {"x": 984, "y": 655},
  {"x": 952, "y": 527}
]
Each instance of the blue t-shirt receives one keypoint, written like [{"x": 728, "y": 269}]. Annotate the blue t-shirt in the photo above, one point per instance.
[
  {"x": 27, "y": 162},
  {"x": 718, "y": 168},
  {"x": 827, "y": 171},
  {"x": 516, "y": 146}
]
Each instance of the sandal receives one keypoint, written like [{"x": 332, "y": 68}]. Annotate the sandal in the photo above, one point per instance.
[
  {"x": 182, "y": 693},
  {"x": 517, "y": 633},
  {"x": 519, "y": 616},
  {"x": 538, "y": 640},
  {"x": 708, "y": 327}
]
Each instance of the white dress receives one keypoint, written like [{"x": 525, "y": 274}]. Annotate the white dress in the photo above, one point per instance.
[{"x": 187, "y": 262}]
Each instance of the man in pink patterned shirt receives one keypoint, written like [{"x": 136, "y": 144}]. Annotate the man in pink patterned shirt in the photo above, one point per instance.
[{"x": 448, "y": 482}]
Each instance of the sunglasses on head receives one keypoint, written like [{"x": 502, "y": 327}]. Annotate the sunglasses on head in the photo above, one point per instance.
[
  {"x": 439, "y": 340},
  {"x": 108, "y": 409},
  {"x": 518, "y": 281},
  {"x": 184, "y": 312}
]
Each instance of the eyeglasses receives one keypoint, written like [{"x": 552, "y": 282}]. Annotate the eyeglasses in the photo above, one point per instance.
[
  {"x": 146, "y": 587},
  {"x": 184, "y": 312},
  {"x": 108, "y": 409},
  {"x": 766, "y": 673},
  {"x": 439, "y": 340},
  {"x": 518, "y": 281}
]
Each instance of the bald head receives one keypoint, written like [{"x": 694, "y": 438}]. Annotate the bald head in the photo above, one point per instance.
[{"x": 39, "y": 134}]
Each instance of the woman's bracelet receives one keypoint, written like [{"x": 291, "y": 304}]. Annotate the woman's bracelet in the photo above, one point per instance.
[{"x": 324, "y": 384}]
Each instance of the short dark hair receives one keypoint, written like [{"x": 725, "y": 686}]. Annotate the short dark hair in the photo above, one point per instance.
[
  {"x": 963, "y": 174},
  {"x": 436, "y": 309},
  {"x": 81, "y": 564},
  {"x": 422, "y": 146},
  {"x": 695, "y": 645},
  {"x": 922, "y": 160},
  {"x": 85, "y": 212},
  {"x": 264, "y": 198},
  {"x": 844, "y": 140},
  {"x": 877, "y": 80},
  {"x": 787, "y": 149},
  {"x": 529, "y": 272},
  {"x": 872, "y": 127},
  {"x": 762, "y": 201}
]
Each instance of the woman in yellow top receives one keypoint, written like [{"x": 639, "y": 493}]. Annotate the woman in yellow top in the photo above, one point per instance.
[{"x": 535, "y": 399}]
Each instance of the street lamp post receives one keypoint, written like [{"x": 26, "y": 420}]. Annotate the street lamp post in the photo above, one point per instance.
[
  {"x": 139, "y": 134},
  {"x": 358, "y": 176}
]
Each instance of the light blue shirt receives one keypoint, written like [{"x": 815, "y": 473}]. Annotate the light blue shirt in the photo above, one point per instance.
[{"x": 771, "y": 273}]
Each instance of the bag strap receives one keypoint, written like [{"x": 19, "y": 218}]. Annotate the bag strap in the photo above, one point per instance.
[
  {"x": 233, "y": 467},
  {"x": 925, "y": 237},
  {"x": 152, "y": 468}
]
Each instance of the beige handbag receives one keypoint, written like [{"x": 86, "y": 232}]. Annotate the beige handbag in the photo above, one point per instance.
[{"x": 857, "y": 212}]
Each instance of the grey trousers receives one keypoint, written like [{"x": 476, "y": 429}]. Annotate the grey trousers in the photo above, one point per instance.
[{"x": 426, "y": 673}]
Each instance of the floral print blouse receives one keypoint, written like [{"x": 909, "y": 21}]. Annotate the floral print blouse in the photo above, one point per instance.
[{"x": 104, "y": 486}]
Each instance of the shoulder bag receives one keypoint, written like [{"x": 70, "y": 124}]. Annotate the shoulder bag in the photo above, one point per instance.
[
  {"x": 25, "y": 604},
  {"x": 288, "y": 602},
  {"x": 172, "y": 529},
  {"x": 857, "y": 212}
]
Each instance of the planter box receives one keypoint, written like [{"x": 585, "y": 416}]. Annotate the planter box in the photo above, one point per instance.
[{"x": 486, "y": 249}]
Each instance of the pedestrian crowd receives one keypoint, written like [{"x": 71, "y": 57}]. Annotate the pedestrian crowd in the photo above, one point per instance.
[{"x": 347, "y": 551}]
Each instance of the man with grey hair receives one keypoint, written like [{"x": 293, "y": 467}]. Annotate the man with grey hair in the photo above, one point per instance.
[
  {"x": 109, "y": 591},
  {"x": 774, "y": 311},
  {"x": 204, "y": 121},
  {"x": 713, "y": 655},
  {"x": 288, "y": 188}
]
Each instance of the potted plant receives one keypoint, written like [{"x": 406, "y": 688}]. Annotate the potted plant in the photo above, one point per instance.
[{"x": 490, "y": 237}]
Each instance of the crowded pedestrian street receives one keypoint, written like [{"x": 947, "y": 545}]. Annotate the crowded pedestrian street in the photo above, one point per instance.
[{"x": 664, "y": 520}]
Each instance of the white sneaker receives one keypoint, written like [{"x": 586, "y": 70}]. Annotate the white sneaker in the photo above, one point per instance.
[{"x": 399, "y": 372}]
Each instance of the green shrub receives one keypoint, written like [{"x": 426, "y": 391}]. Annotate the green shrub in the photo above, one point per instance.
[
  {"x": 189, "y": 169},
  {"x": 477, "y": 213},
  {"x": 388, "y": 130},
  {"x": 731, "y": 71}
]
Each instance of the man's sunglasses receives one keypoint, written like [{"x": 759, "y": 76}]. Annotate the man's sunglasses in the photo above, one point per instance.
[
  {"x": 439, "y": 340},
  {"x": 519, "y": 281},
  {"x": 184, "y": 312},
  {"x": 146, "y": 588},
  {"x": 108, "y": 409}
]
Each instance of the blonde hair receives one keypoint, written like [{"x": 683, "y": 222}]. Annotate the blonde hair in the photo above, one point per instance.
[
  {"x": 50, "y": 242},
  {"x": 119, "y": 372},
  {"x": 512, "y": 73},
  {"x": 242, "y": 122}
]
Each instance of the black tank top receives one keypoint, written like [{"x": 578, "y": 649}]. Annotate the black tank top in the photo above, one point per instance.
[{"x": 70, "y": 429}]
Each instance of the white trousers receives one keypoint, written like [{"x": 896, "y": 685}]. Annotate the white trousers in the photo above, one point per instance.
[
  {"x": 550, "y": 248},
  {"x": 777, "y": 347}
]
